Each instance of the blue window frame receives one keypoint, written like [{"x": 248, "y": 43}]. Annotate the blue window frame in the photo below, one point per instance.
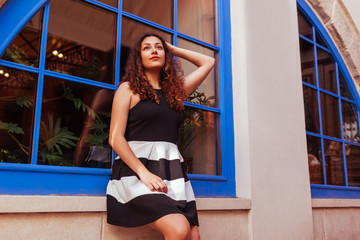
[
  {"x": 331, "y": 112},
  {"x": 37, "y": 178}
]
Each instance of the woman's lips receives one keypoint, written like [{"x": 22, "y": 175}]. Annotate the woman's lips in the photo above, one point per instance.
[{"x": 154, "y": 58}]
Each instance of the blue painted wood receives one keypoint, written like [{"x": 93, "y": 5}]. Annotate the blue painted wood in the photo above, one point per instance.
[
  {"x": 197, "y": 41},
  {"x": 18, "y": 66},
  {"x": 45, "y": 180},
  {"x": 147, "y": 22},
  {"x": 202, "y": 107},
  {"x": 49, "y": 182},
  {"x": 19, "y": 167},
  {"x": 79, "y": 79},
  {"x": 14, "y": 14},
  {"x": 40, "y": 84},
  {"x": 226, "y": 98},
  {"x": 327, "y": 191},
  {"x": 102, "y": 5},
  {"x": 322, "y": 191},
  {"x": 175, "y": 22}
]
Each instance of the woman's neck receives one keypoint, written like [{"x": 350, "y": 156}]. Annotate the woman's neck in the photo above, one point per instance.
[{"x": 153, "y": 78}]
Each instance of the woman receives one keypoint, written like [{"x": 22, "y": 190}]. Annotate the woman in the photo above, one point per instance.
[{"x": 149, "y": 184}]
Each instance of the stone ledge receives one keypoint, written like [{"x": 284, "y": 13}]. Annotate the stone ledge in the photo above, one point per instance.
[
  {"x": 335, "y": 203},
  {"x": 48, "y": 204}
]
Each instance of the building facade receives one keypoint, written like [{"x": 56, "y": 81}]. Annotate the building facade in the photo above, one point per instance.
[{"x": 270, "y": 139}]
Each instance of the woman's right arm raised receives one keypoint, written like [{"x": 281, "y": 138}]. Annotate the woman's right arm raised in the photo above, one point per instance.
[{"x": 119, "y": 116}]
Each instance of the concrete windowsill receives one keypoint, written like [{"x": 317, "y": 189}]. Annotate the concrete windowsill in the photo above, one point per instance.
[
  {"x": 36, "y": 204},
  {"x": 335, "y": 203}
]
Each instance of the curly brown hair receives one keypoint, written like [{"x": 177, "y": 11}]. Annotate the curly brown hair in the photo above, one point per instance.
[{"x": 171, "y": 81}]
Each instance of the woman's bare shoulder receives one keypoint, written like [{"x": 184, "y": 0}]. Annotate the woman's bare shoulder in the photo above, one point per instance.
[{"x": 124, "y": 89}]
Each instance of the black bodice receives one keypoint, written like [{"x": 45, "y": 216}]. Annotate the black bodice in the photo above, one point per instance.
[{"x": 149, "y": 121}]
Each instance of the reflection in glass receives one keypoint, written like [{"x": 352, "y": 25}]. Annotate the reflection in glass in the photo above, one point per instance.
[
  {"x": 158, "y": 11},
  {"x": 199, "y": 141},
  {"x": 320, "y": 40},
  {"x": 17, "y": 97},
  {"x": 353, "y": 164},
  {"x": 334, "y": 163},
  {"x": 311, "y": 110},
  {"x": 330, "y": 115},
  {"x": 344, "y": 88},
  {"x": 350, "y": 122},
  {"x": 326, "y": 70},
  {"x": 25, "y": 48},
  {"x": 75, "y": 121},
  {"x": 198, "y": 19},
  {"x": 81, "y": 40},
  {"x": 113, "y": 3},
  {"x": 305, "y": 28},
  {"x": 206, "y": 93},
  {"x": 131, "y": 31},
  {"x": 315, "y": 160},
  {"x": 307, "y": 62}
]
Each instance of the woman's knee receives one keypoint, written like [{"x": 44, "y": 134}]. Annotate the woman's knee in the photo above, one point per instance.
[
  {"x": 173, "y": 226},
  {"x": 181, "y": 231}
]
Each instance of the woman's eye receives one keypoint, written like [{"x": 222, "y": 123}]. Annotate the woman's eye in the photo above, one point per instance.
[
  {"x": 160, "y": 47},
  {"x": 146, "y": 48}
]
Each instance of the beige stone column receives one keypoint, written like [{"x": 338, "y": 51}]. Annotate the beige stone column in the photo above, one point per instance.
[{"x": 266, "y": 62}]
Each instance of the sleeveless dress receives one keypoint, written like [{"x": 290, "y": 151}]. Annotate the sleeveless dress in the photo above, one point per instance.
[{"x": 151, "y": 133}]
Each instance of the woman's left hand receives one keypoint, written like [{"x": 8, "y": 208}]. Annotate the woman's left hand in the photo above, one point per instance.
[{"x": 170, "y": 46}]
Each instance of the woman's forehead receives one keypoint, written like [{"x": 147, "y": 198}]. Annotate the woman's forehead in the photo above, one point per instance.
[{"x": 151, "y": 40}]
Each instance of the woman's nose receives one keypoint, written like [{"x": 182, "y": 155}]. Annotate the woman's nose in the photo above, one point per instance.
[{"x": 154, "y": 50}]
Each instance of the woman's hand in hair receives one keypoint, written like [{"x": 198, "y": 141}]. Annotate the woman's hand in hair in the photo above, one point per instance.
[
  {"x": 170, "y": 46},
  {"x": 203, "y": 62}
]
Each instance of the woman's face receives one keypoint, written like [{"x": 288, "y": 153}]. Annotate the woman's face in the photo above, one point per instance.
[{"x": 152, "y": 53}]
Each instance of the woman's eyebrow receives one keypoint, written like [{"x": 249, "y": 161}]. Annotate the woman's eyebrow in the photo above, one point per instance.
[{"x": 157, "y": 43}]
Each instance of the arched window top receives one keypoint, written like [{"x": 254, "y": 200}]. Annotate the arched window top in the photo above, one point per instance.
[{"x": 331, "y": 106}]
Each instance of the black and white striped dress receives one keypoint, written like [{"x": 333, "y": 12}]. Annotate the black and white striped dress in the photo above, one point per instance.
[{"x": 151, "y": 133}]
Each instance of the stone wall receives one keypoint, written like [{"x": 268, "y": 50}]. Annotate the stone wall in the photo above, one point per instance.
[
  {"x": 84, "y": 217},
  {"x": 336, "y": 219},
  {"x": 343, "y": 31}
]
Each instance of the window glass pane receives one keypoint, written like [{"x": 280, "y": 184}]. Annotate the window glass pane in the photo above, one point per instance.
[
  {"x": 307, "y": 62},
  {"x": 330, "y": 115},
  {"x": 113, "y": 3},
  {"x": 75, "y": 121},
  {"x": 344, "y": 88},
  {"x": 131, "y": 31},
  {"x": 207, "y": 92},
  {"x": 25, "y": 48},
  {"x": 305, "y": 28},
  {"x": 326, "y": 70},
  {"x": 353, "y": 165},
  {"x": 311, "y": 110},
  {"x": 315, "y": 160},
  {"x": 198, "y": 19},
  {"x": 158, "y": 11},
  {"x": 199, "y": 141},
  {"x": 81, "y": 40},
  {"x": 17, "y": 97},
  {"x": 320, "y": 41},
  {"x": 334, "y": 163},
  {"x": 350, "y": 122}
]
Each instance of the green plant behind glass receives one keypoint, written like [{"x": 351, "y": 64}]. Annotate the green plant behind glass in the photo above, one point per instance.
[
  {"x": 52, "y": 138},
  {"x": 192, "y": 119}
]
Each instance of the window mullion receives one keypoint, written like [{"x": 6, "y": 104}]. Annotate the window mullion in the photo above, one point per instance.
[
  {"x": 40, "y": 85},
  {"x": 175, "y": 9},
  {"x": 319, "y": 107}
]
